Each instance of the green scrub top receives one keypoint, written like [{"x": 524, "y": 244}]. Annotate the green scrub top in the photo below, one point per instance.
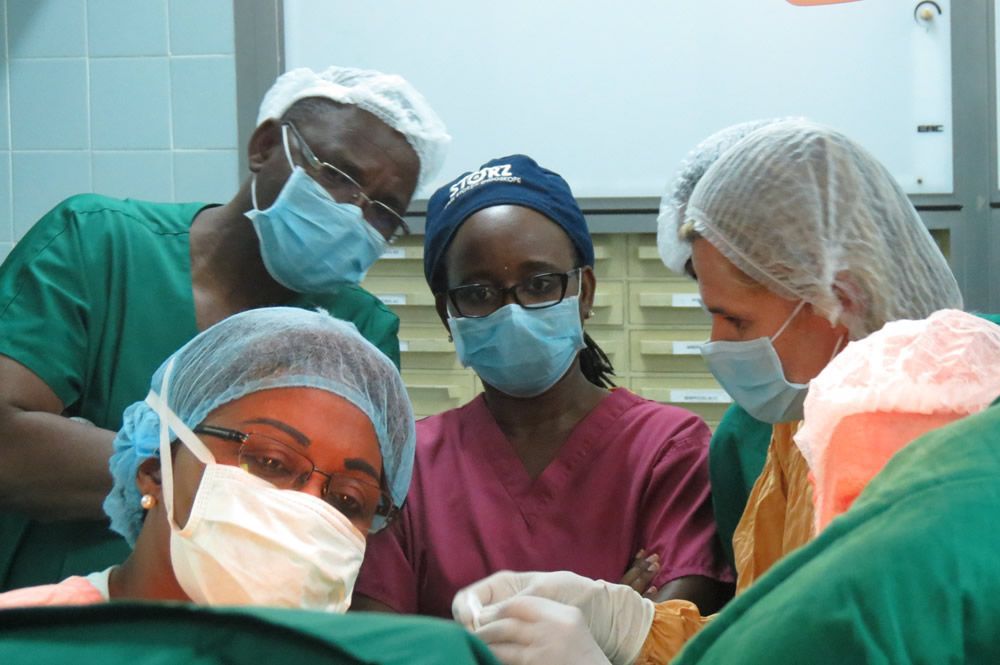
[
  {"x": 174, "y": 634},
  {"x": 736, "y": 456},
  {"x": 92, "y": 300},
  {"x": 907, "y": 575}
]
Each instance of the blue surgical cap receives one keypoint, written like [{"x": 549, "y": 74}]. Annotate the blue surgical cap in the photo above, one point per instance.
[
  {"x": 511, "y": 180},
  {"x": 262, "y": 349}
]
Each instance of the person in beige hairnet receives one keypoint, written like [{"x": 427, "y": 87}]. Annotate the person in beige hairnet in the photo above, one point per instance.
[
  {"x": 101, "y": 290},
  {"x": 801, "y": 241}
]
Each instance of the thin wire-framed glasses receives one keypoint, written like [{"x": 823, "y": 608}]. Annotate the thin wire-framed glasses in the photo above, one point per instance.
[
  {"x": 536, "y": 292},
  {"x": 286, "y": 468},
  {"x": 345, "y": 189}
]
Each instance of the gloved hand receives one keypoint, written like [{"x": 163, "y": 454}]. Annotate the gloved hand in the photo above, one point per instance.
[
  {"x": 618, "y": 617},
  {"x": 532, "y": 631}
]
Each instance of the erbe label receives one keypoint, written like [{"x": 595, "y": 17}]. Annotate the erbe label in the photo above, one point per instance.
[
  {"x": 700, "y": 396},
  {"x": 484, "y": 176}
]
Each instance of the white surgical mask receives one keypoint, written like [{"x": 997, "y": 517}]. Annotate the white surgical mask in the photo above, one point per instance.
[{"x": 247, "y": 542}]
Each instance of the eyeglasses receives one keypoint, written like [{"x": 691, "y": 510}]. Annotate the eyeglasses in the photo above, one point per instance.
[
  {"x": 287, "y": 468},
  {"x": 345, "y": 189},
  {"x": 537, "y": 292}
]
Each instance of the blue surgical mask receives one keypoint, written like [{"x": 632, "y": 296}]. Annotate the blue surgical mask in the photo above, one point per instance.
[
  {"x": 309, "y": 242},
  {"x": 751, "y": 373},
  {"x": 520, "y": 352}
]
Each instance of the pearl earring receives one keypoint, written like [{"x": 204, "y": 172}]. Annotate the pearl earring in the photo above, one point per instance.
[{"x": 148, "y": 501}]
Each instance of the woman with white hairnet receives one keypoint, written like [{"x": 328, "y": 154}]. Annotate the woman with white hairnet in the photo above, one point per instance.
[
  {"x": 267, "y": 448},
  {"x": 739, "y": 443},
  {"x": 801, "y": 241}
]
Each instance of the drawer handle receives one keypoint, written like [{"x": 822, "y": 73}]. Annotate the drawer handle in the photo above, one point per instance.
[
  {"x": 405, "y": 299},
  {"x": 403, "y": 253},
  {"x": 670, "y": 300},
  {"x": 662, "y": 348},
  {"x": 648, "y": 254},
  {"x": 601, "y": 252},
  {"x": 687, "y": 395},
  {"x": 451, "y": 392},
  {"x": 426, "y": 346}
]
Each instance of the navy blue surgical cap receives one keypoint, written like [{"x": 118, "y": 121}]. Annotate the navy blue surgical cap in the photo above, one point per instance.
[{"x": 511, "y": 180}]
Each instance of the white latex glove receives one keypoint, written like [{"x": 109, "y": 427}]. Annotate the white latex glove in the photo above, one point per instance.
[
  {"x": 618, "y": 617},
  {"x": 536, "y": 631}
]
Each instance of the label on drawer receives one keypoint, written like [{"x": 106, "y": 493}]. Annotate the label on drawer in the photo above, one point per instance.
[
  {"x": 699, "y": 396},
  {"x": 392, "y": 298},
  {"x": 404, "y": 346},
  {"x": 687, "y": 348},
  {"x": 686, "y": 300},
  {"x": 394, "y": 253}
]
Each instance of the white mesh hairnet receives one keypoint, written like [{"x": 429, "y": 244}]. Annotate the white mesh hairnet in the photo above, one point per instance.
[
  {"x": 674, "y": 251},
  {"x": 811, "y": 215},
  {"x": 388, "y": 97},
  {"x": 946, "y": 363},
  {"x": 260, "y": 349}
]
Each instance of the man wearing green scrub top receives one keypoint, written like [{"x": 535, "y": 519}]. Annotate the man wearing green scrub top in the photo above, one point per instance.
[
  {"x": 907, "y": 575},
  {"x": 101, "y": 290}
]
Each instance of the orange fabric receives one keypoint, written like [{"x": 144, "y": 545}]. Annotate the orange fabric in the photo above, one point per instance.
[
  {"x": 674, "y": 623},
  {"x": 71, "y": 591},
  {"x": 860, "y": 446},
  {"x": 778, "y": 519},
  {"x": 779, "y": 514}
]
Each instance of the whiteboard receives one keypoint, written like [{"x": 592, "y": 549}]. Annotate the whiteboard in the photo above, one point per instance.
[{"x": 613, "y": 95}]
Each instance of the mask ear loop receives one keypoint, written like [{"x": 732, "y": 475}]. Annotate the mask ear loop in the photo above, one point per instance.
[
  {"x": 288, "y": 156},
  {"x": 170, "y": 421},
  {"x": 798, "y": 308}
]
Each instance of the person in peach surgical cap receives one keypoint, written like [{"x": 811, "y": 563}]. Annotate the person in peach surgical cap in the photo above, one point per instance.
[
  {"x": 888, "y": 389},
  {"x": 903, "y": 568}
]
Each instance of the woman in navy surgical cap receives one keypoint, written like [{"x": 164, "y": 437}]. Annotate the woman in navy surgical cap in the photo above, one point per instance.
[
  {"x": 551, "y": 467},
  {"x": 801, "y": 242}
]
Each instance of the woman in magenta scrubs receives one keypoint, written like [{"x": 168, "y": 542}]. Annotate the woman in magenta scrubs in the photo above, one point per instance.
[{"x": 551, "y": 467}]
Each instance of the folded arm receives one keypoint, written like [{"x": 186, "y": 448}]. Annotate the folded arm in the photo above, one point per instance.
[{"x": 51, "y": 467}]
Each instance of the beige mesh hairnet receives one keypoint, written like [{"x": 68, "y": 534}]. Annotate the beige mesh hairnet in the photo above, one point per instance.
[
  {"x": 810, "y": 214},
  {"x": 388, "y": 97},
  {"x": 946, "y": 363}
]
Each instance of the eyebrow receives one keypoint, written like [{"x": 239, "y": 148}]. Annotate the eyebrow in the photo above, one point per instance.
[
  {"x": 298, "y": 436},
  {"x": 355, "y": 464},
  {"x": 351, "y": 168},
  {"x": 534, "y": 267}
]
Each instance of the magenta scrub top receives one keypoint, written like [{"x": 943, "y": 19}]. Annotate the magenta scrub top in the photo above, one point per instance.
[{"x": 633, "y": 474}]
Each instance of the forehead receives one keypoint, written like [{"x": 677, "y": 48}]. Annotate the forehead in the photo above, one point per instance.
[
  {"x": 348, "y": 133},
  {"x": 503, "y": 238},
  {"x": 718, "y": 278},
  {"x": 335, "y": 427}
]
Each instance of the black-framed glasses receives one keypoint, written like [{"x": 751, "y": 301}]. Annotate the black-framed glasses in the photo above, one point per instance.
[
  {"x": 286, "y": 468},
  {"x": 536, "y": 292},
  {"x": 345, "y": 189}
]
